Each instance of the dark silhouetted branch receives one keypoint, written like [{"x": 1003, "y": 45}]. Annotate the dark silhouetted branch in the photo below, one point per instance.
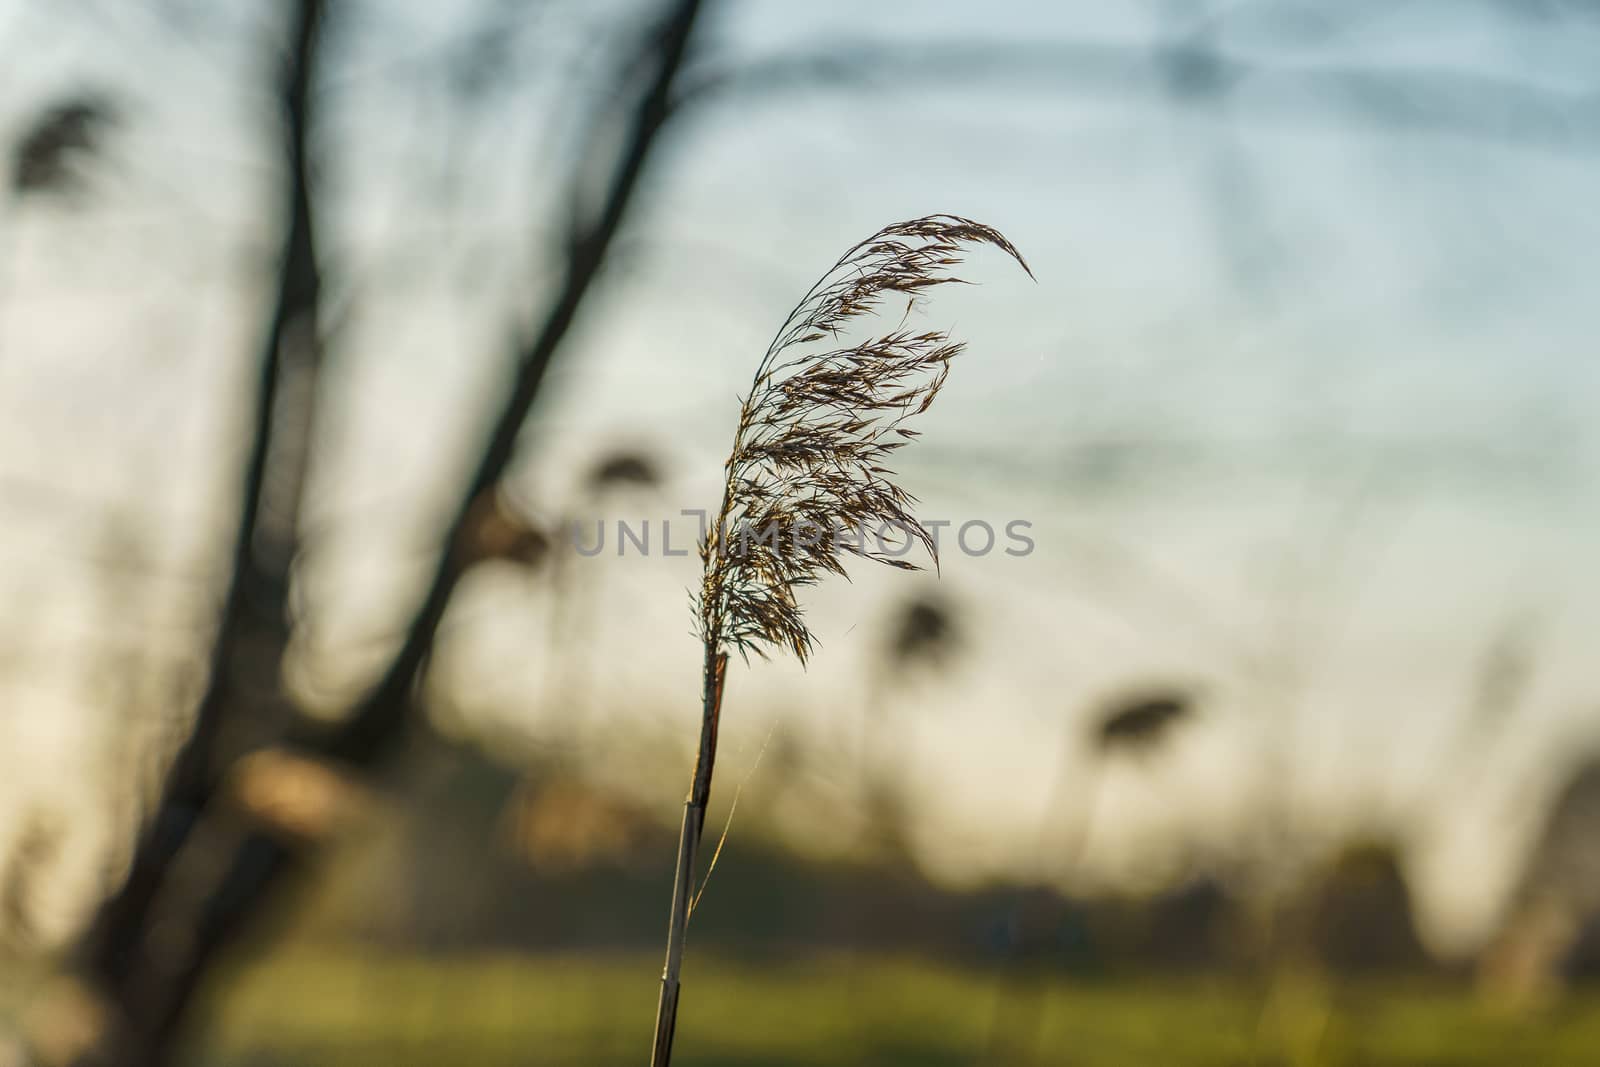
[
  {"x": 242, "y": 690},
  {"x": 373, "y": 727},
  {"x": 254, "y": 851}
]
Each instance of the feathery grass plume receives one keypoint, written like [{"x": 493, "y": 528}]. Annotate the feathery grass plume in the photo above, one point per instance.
[
  {"x": 623, "y": 468},
  {"x": 807, "y": 467},
  {"x": 1139, "y": 723},
  {"x": 49, "y": 156},
  {"x": 925, "y": 632},
  {"x": 807, "y": 483}
]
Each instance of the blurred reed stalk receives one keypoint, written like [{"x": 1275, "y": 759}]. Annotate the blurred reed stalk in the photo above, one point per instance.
[
  {"x": 617, "y": 477},
  {"x": 1131, "y": 727},
  {"x": 245, "y": 863},
  {"x": 806, "y": 484},
  {"x": 922, "y": 640}
]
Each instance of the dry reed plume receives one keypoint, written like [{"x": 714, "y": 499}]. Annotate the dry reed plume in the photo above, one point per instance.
[
  {"x": 52, "y": 152},
  {"x": 807, "y": 483}
]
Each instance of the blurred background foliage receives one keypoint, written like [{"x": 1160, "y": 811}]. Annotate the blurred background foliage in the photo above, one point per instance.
[{"x": 335, "y": 334}]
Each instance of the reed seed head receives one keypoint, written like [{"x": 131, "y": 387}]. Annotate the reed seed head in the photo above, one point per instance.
[
  {"x": 623, "y": 469},
  {"x": 49, "y": 156},
  {"x": 808, "y": 480},
  {"x": 924, "y": 632},
  {"x": 1140, "y": 723}
]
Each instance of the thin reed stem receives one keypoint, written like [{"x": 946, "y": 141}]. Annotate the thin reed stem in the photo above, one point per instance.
[
  {"x": 694, "y": 821},
  {"x": 809, "y": 469},
  {"x": 817, "y": 430},
  {"x": 1018, "y": 1019}
]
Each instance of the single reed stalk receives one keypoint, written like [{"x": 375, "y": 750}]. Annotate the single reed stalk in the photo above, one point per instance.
[
  {"x": 806, "y": 484},
  {"x": 1134, "y": 726},
  {"x": 694, "y": 821}
]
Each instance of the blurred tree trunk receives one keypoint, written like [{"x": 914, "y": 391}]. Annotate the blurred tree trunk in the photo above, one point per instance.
[
  {"x": 243, "y": 702},
  {"x": 210, "y": 900}
]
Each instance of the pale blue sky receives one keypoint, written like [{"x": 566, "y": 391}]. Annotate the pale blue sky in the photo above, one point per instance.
[{"x": 1293, "y": 385}]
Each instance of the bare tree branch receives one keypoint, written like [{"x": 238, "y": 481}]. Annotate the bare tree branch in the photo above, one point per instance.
[
  {"x": 254, "y": 855},
  {"x": 372, "y": 728},
  {"x": 243, "y": 687}
]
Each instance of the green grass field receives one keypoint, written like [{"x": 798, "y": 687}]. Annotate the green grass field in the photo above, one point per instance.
[{"x": 355, "y": 1009}]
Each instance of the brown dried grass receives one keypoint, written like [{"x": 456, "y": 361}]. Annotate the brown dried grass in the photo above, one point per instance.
[
  {"x": 807, "y": 483},
  {"x": 816, "y": 432}
]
